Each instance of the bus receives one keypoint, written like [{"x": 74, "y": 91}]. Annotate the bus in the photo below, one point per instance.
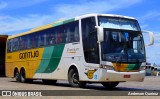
[
  {"x": 3, "y": 39},
  {"x": 91, "y": 48}
]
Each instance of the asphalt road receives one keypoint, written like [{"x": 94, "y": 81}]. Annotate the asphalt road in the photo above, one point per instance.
[{"x": 150, "y": 83}]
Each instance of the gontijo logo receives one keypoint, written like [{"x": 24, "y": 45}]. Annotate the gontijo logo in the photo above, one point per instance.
[{"x": 30, "y": 54}]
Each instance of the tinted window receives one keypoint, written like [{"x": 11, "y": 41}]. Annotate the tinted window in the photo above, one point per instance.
[
  {"x": 15, "y": 44},
  {"x": 90, "y": 45},
  {"x": 71, "y": 32},
  {"x": 66, "y": 33},
  {"x": 9, "y": 46}
]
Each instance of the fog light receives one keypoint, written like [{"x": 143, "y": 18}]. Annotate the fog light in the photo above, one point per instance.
[{"x": 108, "y": 67}]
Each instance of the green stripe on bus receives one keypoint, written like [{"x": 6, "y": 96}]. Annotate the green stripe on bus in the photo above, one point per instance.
[
  {"x": 55, "y": 59},
  {"x": 57, "y": 24},
  {"x": 50, "y": 59},
  {"x": 63, "y": 22},
  {"x": 47, "y": 54},
  {"x": 133, "y": 67},
  {"x": 69, "y": 20}
]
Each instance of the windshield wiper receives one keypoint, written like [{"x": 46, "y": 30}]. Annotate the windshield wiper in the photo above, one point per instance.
[
  {"x": 125, "y": 48},
  {"x": 119, "y": 59}
]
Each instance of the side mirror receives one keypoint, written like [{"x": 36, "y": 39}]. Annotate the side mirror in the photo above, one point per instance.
[
  {"x": 100, "y": 33},
  {"x": 151, "y": 36}
]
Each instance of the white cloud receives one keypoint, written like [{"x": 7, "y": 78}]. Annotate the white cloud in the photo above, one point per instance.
[
  {"x": 149, "y": 15},
  {"x": 14, "y": 4},
  {"x": 94, "y": 6},
  {"x": 3, "y": 5},
  {"x": 8, "y": 23},
  {"x": 25, "y": 3}
]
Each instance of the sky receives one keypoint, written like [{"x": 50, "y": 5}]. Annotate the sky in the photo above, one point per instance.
[{"x": 22, "y": 15}]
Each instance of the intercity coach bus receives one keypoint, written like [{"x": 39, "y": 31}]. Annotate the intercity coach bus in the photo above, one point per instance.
[{"x": 99, "y": 48}]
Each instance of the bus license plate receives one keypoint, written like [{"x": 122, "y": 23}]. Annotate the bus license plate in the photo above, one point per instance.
[{"x": 127, "y": 76}]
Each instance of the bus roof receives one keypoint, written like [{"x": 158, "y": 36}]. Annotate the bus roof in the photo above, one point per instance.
[
  {"x": 60, "y": 22},
  {"x": 108, "y": 15}
]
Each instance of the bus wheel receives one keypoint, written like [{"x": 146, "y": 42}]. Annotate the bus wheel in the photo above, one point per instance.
[
  {"x": 73, "y": 79},
  {"x": 110, "y": 85},
  {"x": 23, "y": 76},
  {"x": 17, "y": 76},
  {"x": 49, "y": 82}
]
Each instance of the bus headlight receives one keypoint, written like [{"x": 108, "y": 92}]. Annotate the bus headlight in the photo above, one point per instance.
[
  {"x": 108, "y": 67},
  {"x": 143, "y": 68}
]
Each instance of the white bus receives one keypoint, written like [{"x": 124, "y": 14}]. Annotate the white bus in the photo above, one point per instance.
[{"x": 100, "y": 48}]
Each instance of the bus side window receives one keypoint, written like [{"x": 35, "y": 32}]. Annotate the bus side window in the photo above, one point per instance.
[
  {"x": 59, "y": 40},
  {"x": 54, "y": 36},
  {"x": 40, "y": 39},
  {"x": 72, "y": 32},
  {"x": 52, "y": 39},
  {"x": 64, "y": 34},
  {"x": 76, "y": 34},
  {"x": 15, "y": 44},
  {"x": 33, "y": 40},
  {"x": 60, "y": 34},
  {"x": 36, "y": 40},
  {"x": 22, "y": 45},
  {"x": 68, "y": 38},
  {"x": 9, "y": 46},
  {"x": 28, "y": 42},
  {"x": 45, "y": 39}
]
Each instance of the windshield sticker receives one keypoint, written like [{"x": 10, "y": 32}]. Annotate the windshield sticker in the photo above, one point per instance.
[
  {"x": 95, "y": 76},
  {"x": 90, "y": 73},
  {"x": 126, "y": 36}
]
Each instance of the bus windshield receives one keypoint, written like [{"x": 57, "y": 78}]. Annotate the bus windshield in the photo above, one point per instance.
[
  {"x": 123, "y": 46},
  {"x": 118, "y": 23}
]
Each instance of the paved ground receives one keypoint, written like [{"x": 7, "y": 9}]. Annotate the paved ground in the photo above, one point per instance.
[{"x": 149, "y": 84}]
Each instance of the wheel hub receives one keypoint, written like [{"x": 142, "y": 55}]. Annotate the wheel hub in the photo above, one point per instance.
[{"x": 75, "y": 78}]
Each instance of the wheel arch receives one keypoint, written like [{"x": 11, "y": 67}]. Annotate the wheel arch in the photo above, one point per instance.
[
  {"x": 73, "y": 66},
  {"x": 22, "y": 68}
]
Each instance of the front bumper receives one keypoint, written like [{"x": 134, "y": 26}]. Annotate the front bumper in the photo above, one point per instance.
[{"x": 110, "y": 75}]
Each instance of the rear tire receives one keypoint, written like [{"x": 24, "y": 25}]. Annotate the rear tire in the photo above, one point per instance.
[
  {"x": 73, "y": 78},
  {"x": 110, "y": 85},
  {"x": 23, "y": 77},
  {"x": 17, "y": 76}
]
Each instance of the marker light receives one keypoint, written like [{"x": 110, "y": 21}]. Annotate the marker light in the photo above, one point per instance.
[{"x": 142, "y": 67}]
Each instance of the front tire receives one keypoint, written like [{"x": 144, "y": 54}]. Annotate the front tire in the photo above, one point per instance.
[
  {"x": 110, "y": 85},
  {"x": 73, "y": 78}
]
